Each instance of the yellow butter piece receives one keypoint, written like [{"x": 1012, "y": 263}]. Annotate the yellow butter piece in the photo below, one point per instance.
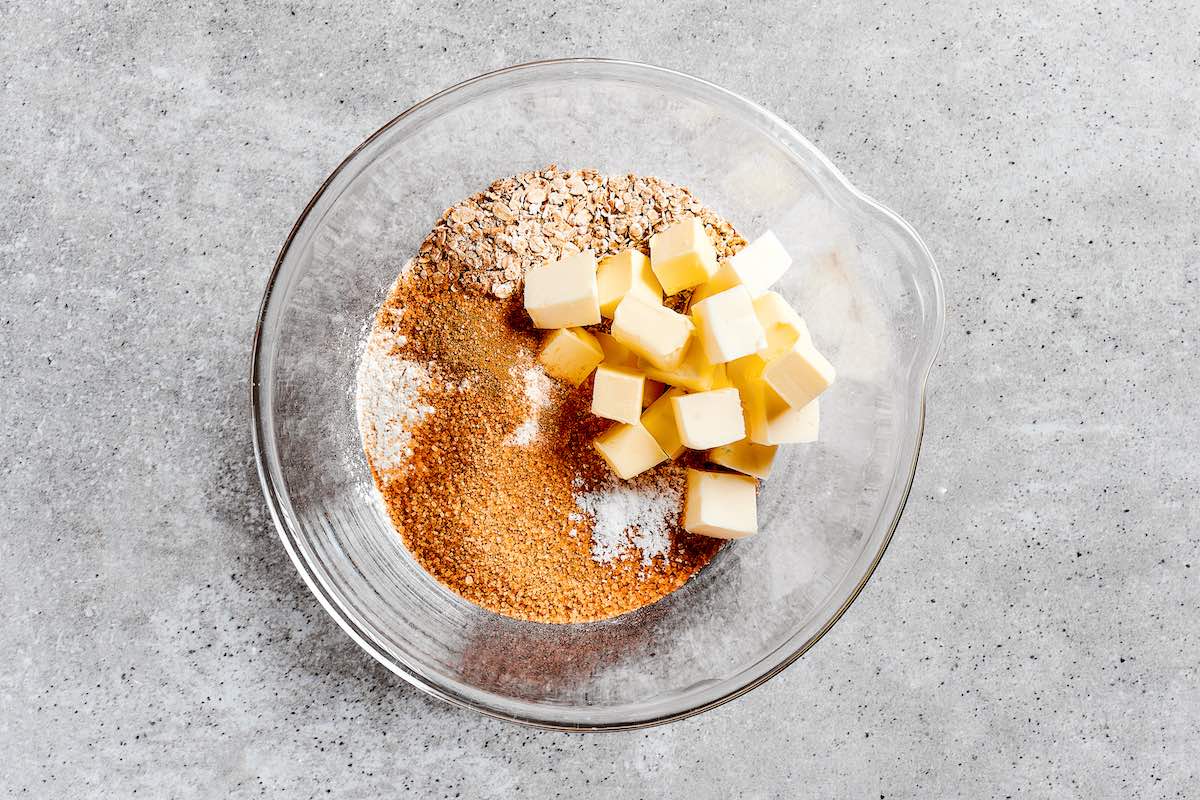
[
  {"x": 563, "y": 294},
  {"x": 617, "y": 394},
  {"x": 769, "y": 419},
  {"x": 655, "y": 332},
  {"x": 682, "y": 256},
  {"x": 782, "y": 326},
  {"x": 799, "y": 375},
  {"x": 760, "y": 264},
  {"x": 652, "y": 391},
  {"x": 745, "y": 456},
  {"x": 756, "y": 266},
  {"x": 727, "y": 326},
  {"x": 724, "y": 278},
  {"x": 720, "y": 505},
  {"x": 709, "y": 419},
  {"x": 629, "y": 450},
  {"x": 615, "y": 353},
  {"x": 721, "y": 377},
  {"x": 659, "y": 419},
  {"x": 625, "y": 273},
  {"x": 693, "y": 373},
  {"x": 570, "y": 354}
]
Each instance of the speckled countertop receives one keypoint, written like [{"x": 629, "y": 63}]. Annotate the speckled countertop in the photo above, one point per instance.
[{"x": 1031, "y": 632}]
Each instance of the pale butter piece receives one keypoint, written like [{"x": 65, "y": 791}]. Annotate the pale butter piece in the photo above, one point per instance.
[
  {"x": 652, "y": 391},
  {"x": 745, "y": 456},
  {"x": 799, "y": 375},
  {"x": 782, "y": 326},
  {"x": 724, "y": 278},
  {"x": 659, "y": 419},
  {"x": 682, "y": 256},
  {"x": 615, "y": 353},
  {"x": 694, "y": 373},
  {"x": 720, "y": 505},
  {"x": 760, "y": 264},
  {"x": 629, "y": 450},
  {"x": 770, "y": 420},
  {"x": 728, "y": 326},
  {"x": 617, "y": 394},
  {"x": 654, "y": 332},
  {"x": 757, "y": 266},
  {"x": 570, "y": 354},
  {"x": 709, "y": 419},
  {"x": 625, "y": 273},
  {"x": 563, "y": 294}
]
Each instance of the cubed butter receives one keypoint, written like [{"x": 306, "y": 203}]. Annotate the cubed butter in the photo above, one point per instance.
[
  {"x": 745, "y": 456},
  {"x": 652, "y": 391},
  {"x": 659, "y": 419},
  {"x": 694, "y": 373},
  {"x": 721, "y": 377},
  {"x": 799, "y": 375},
  {"x": 617, "y": 394},
  {"x": 781, "y": 324},
  {"x": 720, "y": 505},
  {"x": 628, "y": 272},
  {"x": 709, "y": 419},
  {"x": 727, "y": 325},
  {"x": 770, "y": 420},
  {"x": 570, "y": 354},
  {"x": 761, "y": 263},
  {"x": 615, "y": 353},
  {"x": 653, "y": 331},
  {"x": 563, "y": 294},
  {"x": 757, "y": 266},
  {"x": 724, "y": 278},
  {"x": 682, "y": 256},
  {"x": 629, "y": 450}
]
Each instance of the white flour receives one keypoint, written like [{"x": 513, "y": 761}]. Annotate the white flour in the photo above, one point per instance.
[
  {"x": 633, "y": 514},
  {"x": 537, "y": 392},
  {"x": 387, "y": 390}
]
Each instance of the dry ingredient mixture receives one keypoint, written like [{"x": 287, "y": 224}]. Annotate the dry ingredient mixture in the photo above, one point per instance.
[{"x": 485, "y": 462}]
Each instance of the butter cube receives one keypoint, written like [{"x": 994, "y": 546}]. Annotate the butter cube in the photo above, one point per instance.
[
  {"x": 721, "y": 378},
  {"x": 761, "y": 263},
  {"x": 724, "y": 278},
  {"x": 745, "y": 456},
  {"x": 570, "y": 354},
  {"x": 625, "y": 273},
  {"x": 728, "y": 326},
  {"x": 682, "y": 256},
  {"x": 629, "y": 450},
  {"x": 654, "y": 332},
  {"x": 799, "y": 375},
  {"x": 615, "y": 353},
  {"x": 781, "y": 324},
  {"x": 757, "y": 266},
  {"x": 694, "y": 373},
  {"x": 659, "y": 419},
  {"x": 652, "y": 391},
  {"x": 720, "y": 505},
  {"x": 563, "y": 294},
  {"x": 769, "y": 419},
  {"x": 617, "y": 394},
  {"x": 709, "y": 419}
]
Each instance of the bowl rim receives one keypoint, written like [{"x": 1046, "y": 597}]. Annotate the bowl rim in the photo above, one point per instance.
[{"x": 272, "y": 492}]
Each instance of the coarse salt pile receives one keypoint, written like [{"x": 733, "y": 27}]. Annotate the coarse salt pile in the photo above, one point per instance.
[{"x": 633, "y": 514}]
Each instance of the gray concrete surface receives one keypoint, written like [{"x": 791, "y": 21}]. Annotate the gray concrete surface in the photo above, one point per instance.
[{"x": 1032, "y": 631}]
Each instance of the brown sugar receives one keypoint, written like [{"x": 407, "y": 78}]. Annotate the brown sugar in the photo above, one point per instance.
[{"x": 487, "y": 496}]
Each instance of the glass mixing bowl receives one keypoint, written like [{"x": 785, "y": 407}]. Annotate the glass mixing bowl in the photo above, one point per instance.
[{"x": 865, "y": 283}]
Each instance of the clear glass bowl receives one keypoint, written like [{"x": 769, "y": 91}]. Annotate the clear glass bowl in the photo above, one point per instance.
[{"x": 864, "y": 281}]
